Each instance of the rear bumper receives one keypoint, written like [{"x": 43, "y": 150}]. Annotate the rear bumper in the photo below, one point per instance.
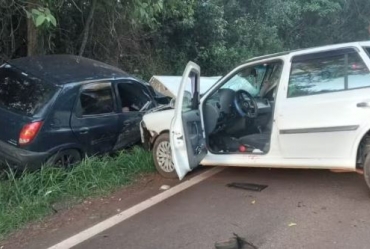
[{"x": 18, "y": 158}]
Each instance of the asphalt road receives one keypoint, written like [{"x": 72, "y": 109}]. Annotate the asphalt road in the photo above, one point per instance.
[{"x": 328, "y": 211}]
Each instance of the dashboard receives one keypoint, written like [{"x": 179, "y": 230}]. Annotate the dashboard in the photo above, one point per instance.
[{"x": 220, "y": 110}]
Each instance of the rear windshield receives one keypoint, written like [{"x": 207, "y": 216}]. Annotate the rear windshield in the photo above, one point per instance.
[{"x": 22, "y": 93}]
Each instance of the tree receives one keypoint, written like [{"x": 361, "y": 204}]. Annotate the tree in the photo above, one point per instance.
[{"x": 158, "y": 37}]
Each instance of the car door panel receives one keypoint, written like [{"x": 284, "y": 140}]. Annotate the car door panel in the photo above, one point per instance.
[
  {"x": 324, "y": 125},
  {"x": 131, "y": 93},
  {"x": 129, "y": 129},
  {"x": 186, "y": 131},
  {"x": 193, "y": 137},
  {"x": 97, "y": 132}
]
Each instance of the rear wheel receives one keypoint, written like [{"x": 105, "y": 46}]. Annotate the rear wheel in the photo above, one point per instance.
[
  {"x": 65, "y": 159},
  {"x": 367, "y": 170},
  {"x": 163, "y": 157}
]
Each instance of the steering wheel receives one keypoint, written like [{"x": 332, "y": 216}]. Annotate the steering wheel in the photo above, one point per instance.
[{"x": 245, "y": 104}]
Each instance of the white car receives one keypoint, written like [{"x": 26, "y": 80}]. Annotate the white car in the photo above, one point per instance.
[{"x": 301, "y": 109}]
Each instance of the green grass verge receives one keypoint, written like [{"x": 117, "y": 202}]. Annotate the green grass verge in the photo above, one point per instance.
[{"x": 30, "y": 197}]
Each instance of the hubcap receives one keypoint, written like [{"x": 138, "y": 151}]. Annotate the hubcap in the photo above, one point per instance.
[{"x": 164, "y": 157}]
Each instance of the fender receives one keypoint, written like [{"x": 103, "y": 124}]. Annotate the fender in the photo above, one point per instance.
[
  {"x": 75, "y": 146},
  {"x": 360, "y": 134}
]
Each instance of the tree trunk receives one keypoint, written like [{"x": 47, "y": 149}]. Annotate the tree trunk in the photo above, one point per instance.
[
  {"x": 87, "y": 27},
  {"x": 32, "y": 46}
]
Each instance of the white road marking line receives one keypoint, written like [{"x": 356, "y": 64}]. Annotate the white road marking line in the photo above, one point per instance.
[{"x": 128, "y": 213}]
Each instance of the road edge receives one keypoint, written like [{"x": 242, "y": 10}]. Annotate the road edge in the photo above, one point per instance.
[{"x": 128, "y": 213}]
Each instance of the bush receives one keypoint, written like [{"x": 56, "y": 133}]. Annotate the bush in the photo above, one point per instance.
[{"x": 30, "y": 196}]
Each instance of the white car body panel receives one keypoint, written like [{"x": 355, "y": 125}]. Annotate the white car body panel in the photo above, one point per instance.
[
  {"x": 180, "y": 145},
  {"x": 159, "y": 122},
  {"x": 319, "y": 148}
]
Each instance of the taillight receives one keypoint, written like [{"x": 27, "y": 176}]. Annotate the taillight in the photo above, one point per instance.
[{"x": 29, "y": 132}]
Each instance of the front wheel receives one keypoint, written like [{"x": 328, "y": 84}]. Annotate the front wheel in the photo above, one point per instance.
[
  {"x": 163, "y": 157},
  {"x": 64, "y": 159}
]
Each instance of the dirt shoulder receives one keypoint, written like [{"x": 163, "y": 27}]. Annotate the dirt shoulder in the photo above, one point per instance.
[{"x": 68, "y": 221}]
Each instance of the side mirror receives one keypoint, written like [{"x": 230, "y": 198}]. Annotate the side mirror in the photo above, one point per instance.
[{"x": 172, "y": 103}]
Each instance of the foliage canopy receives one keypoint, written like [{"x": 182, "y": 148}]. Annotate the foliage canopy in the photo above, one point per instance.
[{"x": 159, "y": 36}]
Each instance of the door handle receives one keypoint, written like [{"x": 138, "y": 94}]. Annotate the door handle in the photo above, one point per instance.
[
  {"x": 363, "y": 104},
  {"x": 84, "y": 130}
]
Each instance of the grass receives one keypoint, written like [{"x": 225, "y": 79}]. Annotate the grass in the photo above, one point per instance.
[{"x": 30, "y": 197}]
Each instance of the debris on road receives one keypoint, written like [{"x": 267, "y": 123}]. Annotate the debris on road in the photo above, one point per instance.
[
  {"x": 292, "y": 224},
  {"x": 247, "y": 186},
  {"x": 164, "y": 187},
  {"x": 231, "y": 243},
  {"x": 300, "y": 204},
  {"x": 253, "y": 202},
  {"x": 235, "y": 242}
]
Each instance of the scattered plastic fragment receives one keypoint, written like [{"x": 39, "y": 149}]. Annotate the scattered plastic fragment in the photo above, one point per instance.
[
  {"x": 247, "y": 186},
  {"x": 235, "y": 242},
  {"x": 164, "y": 187}
]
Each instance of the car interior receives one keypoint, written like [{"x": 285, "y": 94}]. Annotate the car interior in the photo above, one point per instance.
[
  {"x": 238, "y": 115},
  {"x": 96, "y": 101},
  {"x": 133, "y": 97}
]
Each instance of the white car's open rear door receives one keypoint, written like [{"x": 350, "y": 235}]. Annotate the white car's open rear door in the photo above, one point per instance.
[{"x": 186, "y": 132}]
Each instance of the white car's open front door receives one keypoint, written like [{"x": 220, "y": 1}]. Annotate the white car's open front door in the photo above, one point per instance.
[{"x": 186, "y": 132}]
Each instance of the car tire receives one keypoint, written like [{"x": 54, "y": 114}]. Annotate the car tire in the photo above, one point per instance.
[
  {"x": 162, "y": 156},
  {"x": 367, "y": 170},
  {"x": 64, "y": 159}
]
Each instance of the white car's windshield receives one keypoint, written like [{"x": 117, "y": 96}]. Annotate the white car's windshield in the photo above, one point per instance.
[
  {"x": 249, "y": 79},
  {"x": 241, "y": 83}
]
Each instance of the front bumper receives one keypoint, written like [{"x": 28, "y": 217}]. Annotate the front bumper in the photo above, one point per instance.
[
  {"x": 18, "y": 158},
  {"x": 146, "y": 138}
]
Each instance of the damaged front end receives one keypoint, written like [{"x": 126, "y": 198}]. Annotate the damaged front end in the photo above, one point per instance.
[
  {"x": 155, "y": 122},
  {"x": 146, "y": 136}
]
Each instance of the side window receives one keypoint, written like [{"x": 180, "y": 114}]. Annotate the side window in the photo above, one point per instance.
[
  {"x": 96, "y": 98},
  {"x": 327, "y": 72},
  {"x": 134, "y": 97},
  {"x": 358, "y": 73},
  {"x": 187, "y": 100},
  {"x": 317, "y": 76}
]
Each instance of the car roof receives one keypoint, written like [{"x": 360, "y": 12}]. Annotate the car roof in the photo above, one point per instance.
[
  {"x": 64, "y": 69},
  {"x": 309, "y": 50}
]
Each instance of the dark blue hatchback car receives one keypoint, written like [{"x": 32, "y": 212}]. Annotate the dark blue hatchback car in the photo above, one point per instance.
[{"x": 57, "y": 109}]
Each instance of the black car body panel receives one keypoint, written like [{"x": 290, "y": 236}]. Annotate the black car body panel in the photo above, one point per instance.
[
  {"x": 71, "y": 113},
  {"x": 64, "y": 69},
  {"x": 18, "y": 158}
]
